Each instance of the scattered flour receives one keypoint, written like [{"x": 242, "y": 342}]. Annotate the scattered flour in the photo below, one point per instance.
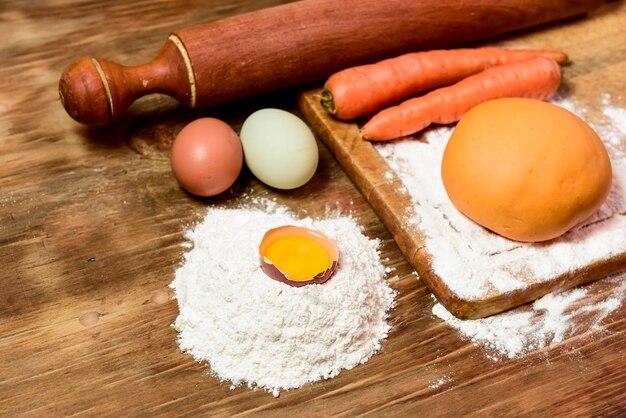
[
  {"x": 440, "y": 382},
  {"x": 257, "y": 331},
  {"x": 546, "y": 323},
  {"x": 617, "y": 116},
  {"x": 475, "y": 263}
]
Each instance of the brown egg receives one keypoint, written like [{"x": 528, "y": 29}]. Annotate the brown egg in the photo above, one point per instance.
[
  {"x": 206, "y": 157},
  {"x": 525, "y": 169}
]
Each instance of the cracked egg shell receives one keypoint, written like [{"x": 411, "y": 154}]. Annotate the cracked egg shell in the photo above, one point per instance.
[{"x": 298, "y": 256}]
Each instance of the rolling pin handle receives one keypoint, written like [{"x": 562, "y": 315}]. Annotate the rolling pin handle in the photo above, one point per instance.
[{"x": 97, "y": 92}]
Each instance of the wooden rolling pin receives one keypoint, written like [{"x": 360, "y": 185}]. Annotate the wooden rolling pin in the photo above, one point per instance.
[{"x": 287, "y": 45}]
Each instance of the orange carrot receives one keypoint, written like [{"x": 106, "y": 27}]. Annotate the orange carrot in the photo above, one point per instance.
[
  {"x": 360, "y": 90},
  {"x": 536, "y": 78}
]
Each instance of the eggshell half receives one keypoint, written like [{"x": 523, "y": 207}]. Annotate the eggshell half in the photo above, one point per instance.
[{"x": 329, "y": 245}]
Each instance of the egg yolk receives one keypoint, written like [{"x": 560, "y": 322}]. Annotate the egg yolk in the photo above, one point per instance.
[{"x": 300, "y": 258}]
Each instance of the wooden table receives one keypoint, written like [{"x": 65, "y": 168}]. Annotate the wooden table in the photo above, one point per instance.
[{"x": 91, "y": 222}]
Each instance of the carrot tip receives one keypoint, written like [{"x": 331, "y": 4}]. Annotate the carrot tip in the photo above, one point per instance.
[
  {"x": 327, "y": 102},
  {"x": 369, "y": 139},
  {"x": 561, "y": 57}
]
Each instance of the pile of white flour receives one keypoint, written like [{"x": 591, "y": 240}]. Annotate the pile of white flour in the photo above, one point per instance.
[{"x": 257, "y": 331}]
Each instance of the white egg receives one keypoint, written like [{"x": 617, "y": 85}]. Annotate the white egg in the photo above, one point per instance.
[{"x": 279, "y": 148}]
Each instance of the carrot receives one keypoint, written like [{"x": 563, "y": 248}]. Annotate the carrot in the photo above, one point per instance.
[
  {"x": 360, "y": 90},
  {"x": 536, "y": 78}
]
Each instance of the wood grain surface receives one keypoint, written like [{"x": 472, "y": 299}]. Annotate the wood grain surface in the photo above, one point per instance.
[{"x": 91, "y": 222}]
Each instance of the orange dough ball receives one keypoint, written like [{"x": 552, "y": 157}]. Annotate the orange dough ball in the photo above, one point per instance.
[
  {"x": 206, "y": 157},
  {"x": 525, "y": 169}
]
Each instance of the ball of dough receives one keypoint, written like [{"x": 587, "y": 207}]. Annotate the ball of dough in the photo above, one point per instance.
[{"x": 525, "y": 169}]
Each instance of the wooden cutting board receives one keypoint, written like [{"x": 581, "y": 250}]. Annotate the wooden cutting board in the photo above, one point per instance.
[
  {"x": 593, "y": 78},
  {"x": 386, "y": 194}
]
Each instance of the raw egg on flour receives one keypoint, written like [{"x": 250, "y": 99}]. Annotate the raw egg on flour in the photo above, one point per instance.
[
  {"x": 298, "y": 256},
  {"x": 206, "y": 157}
]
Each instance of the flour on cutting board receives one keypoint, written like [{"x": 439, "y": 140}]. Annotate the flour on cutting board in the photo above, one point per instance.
[
  {"x": 257, "y": 331},
  {"x": 474, "y": 262}
]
